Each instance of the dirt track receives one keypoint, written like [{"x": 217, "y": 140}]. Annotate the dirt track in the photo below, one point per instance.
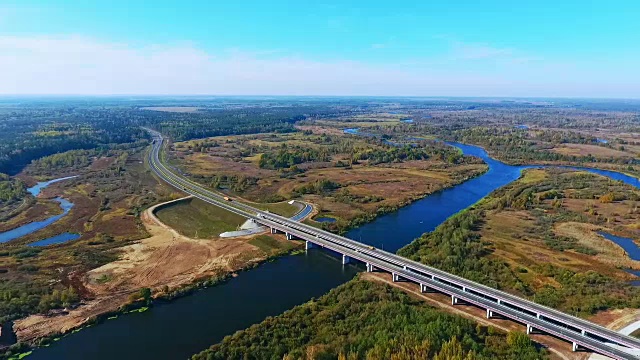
[{"x": 166, "y": 258}]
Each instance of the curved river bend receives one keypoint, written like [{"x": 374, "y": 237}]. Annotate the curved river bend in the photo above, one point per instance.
[
  {"x": 38, "y": 225},
  {"x": 178, "y": 329}
]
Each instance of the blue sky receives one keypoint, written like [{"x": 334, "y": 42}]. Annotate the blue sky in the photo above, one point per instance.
[{"x": 449, "y": 48}]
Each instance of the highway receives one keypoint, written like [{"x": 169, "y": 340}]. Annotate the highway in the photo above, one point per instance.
[{"x": 578, "y": 331}]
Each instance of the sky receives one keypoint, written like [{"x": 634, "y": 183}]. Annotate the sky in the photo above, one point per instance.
[{"x": 543, "y": 48}]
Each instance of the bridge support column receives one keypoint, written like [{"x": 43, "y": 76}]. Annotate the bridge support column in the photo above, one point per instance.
[
  {"x": 425, "y": 289},
  {"x": 308, "y": 245},
  {"x": 575, "y": 347},
  {"x": 584, "y": 333},
  {"x": 491, "y": 314},
  {"x": 531, "y": 330},
  {"x": 395, "y": 277},
  {"x": 273, "y": 230},
  {"x": 345, "y": 259},
  {"x": 455, "y": 300},
  {"x": 369, "y": 267}
]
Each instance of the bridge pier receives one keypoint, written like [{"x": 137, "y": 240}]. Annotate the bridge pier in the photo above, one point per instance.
[
  {"x": 345, "y": 259},
  {"x": 291, "y": 236},
  {"x": 370, "y": 268},
  {"x": 425, "y": 289},
  {"x": 532, "y": 330},
  {"x": 455, "y": 300},
  {"x": 490, "y": 314},
  {"x": 575, "y": 347},
  {"x": 308, "y": 245}
]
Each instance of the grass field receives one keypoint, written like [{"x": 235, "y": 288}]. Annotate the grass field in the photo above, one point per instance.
[
  {"x": 197, "y": 219},
  {"x": 270, "y": 245},
  {"x": 585, "y": 150},
  {"x": 281, "y": 208}
]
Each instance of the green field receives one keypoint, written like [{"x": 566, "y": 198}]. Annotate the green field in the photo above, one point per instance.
[
  {"x": 268, "y": 244},
  {"x": 281, "y": 208},
  {"x": 197, "y": 219}
]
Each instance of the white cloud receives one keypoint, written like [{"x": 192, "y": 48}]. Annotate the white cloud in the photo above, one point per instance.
[
  {"x": 77, "y": 65},
  {"x": 80, "y": 65}
]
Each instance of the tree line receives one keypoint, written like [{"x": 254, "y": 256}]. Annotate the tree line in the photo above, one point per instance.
[{"x": 366, "y": 320}]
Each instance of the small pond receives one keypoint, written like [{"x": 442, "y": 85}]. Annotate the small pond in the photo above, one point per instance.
[
  {"x": 324, "y": 219},
  {"x": 58, "y": 239}
]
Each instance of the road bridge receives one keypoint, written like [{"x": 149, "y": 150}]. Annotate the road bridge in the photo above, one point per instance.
[{"x": 582, "y": 334}]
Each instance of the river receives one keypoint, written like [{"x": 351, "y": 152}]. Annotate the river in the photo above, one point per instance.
[
  {"x": 188, "y": 325},
  {"x": 38, "y": 225}
]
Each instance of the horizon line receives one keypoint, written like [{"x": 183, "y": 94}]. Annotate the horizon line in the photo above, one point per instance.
[{"x": 325, "y": 96}]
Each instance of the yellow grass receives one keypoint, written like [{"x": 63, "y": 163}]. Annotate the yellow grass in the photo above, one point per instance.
[
  {"x": 584, "y": 150},
  {"x": 533, "y": 176}
]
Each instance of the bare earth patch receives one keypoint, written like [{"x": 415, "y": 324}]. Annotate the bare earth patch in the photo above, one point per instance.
[{"x": 164, "y": 258}]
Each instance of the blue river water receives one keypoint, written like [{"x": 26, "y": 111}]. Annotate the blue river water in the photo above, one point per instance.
[
  {"x": 397, "y": 229},
  {"x": 37, "y": 225},
  {"x": 627, "y": 244},
  {"x": 58, "y": 239},
  {"x": 178, "y": 329},
  {"x": 325, "y": 219},
  {"x": 36, "y": 189}
]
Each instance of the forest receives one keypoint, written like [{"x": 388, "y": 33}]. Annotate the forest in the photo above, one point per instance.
[
  {"x": 11, "y": 189},
  {"x": 367, "y": 320}
]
